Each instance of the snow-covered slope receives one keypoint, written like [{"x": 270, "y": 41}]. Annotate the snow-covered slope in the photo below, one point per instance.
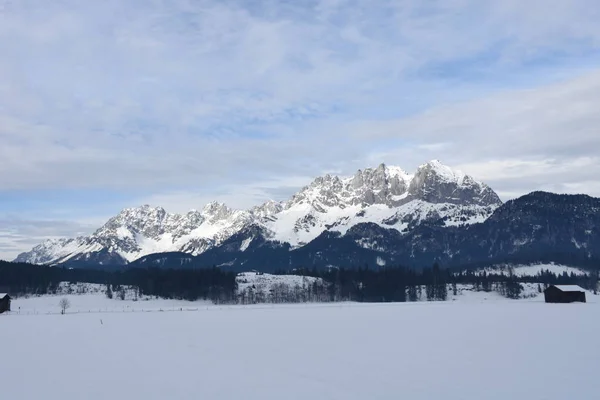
[
  {"x": 136, "y": 232},
  {"x": 386, "y": 195},
  {"x": 266, "y": 282},
  {"x": 532, "y": 270}
]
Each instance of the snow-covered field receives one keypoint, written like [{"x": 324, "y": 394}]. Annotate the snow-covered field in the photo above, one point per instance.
[
  {"x": 532, "y": 269},
  {"x": 497, "y": 349},
  {"x": 266, "y": 282},
  {"x": 91, "y": 298},
  {"x": 99, "y": 303}
]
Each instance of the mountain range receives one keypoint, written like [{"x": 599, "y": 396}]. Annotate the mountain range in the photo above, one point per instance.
[{"x": 379, "y": 216}]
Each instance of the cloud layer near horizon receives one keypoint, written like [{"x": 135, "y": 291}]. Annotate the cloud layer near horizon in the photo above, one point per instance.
[{"x": 111, "y": 104}]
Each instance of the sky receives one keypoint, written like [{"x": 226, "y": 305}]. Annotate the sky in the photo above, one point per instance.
[{"x": 114, "y": 104}]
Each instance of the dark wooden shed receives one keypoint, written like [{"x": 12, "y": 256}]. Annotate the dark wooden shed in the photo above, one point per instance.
[
  {"x": 564, "y": 294},
  {"x": 4, "y": 302}
]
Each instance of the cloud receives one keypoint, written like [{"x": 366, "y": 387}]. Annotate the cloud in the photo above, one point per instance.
[
  {"x": 18, "y": 235},
  {"x": 242, "y": 196},
  {"x": 118, "y": 94},
  {"x": 518, "y": 141},
  {"x": 184, "y": 101}
]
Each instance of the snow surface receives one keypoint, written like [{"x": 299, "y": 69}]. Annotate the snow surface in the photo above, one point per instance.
[
  {"x": 570, "y": 288},
  {"x": 492, "y": 350},
  {"x": 91, "y": 298},
  {"x": 265, "y": 282},
  {"x": 445, "y": 172},
  {"x": 392, "y": 170},
  {"x": 285, "y": 226},
  {"x": 245, "y": 244},
  {"x": 532, "y": 269}
]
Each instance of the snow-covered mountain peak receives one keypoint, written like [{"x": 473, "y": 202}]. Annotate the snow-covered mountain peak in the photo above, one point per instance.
[
  {"x": 392, "y": 186},
  {"x": 391, "y": 179},
  {"x": 143, "y": 211},
  {"x": 216, "y": 210},
  {"x": 392, "y": 170},
  {"x": 47, "y": 251},
  {"x": 139, "y": 216},
  {"x": 267, "y": 209},
  {"x": 385, "y": 195},
  {"x": 442, "y": 171},
  {"x": 366, "y": 187},
  {"x": 145, "y": 220},
  {"x": 326, "y": 180},
  {"x": 435, "y": 182},
  {"x": 188, "y": 222},
  {"x": 323, "y": 191}
]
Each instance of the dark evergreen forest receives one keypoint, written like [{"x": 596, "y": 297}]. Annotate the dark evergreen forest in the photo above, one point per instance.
[
  {"x": 211, "y": 284},
  {"x": 389, "y": 284}
]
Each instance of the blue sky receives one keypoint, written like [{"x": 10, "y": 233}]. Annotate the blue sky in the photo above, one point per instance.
[{"x": 113, "y": 104}]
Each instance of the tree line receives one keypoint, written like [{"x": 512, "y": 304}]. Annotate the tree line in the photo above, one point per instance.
[
  {"x": 399, "y": 284},
  {"x": 384, "y": 284},
  {"x": 190, "y": 284}
]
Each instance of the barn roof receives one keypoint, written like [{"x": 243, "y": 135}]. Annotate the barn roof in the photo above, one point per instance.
[
  {"x": 570, "y": 288},
  {"x": 3, "y": 295}
]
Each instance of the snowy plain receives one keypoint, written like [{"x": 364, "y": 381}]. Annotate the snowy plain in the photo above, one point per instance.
[
  {"x": 532, "y": 269},
  {"x": 480, "y": 346}
]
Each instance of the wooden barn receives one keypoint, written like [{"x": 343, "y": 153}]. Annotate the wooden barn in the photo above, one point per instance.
[
  {"x": 4, "y": 302},
  {"x": 564, "y": 294}
]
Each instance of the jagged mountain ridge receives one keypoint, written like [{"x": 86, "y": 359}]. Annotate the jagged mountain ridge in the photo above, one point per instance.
[
  {"x": 538, "y": 227},
  {"x": 386, "y": 196}
]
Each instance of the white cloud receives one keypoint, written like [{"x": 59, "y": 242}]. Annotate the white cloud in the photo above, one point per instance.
[
  {"x": 517, "y": 141},
  {"x": 242, "y": 196},
  {"x": 196, "y": 100},
  {"x": 133, "y": 93},
  {"x": 18, "y": 235}
]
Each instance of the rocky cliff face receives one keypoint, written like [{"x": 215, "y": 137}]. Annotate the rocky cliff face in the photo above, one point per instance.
[
  {"x": 432, "y": 182},
  {"x": 539, "y": 227},
  {"x": 385, "y": 196},
  {"x": 436, "y": 183}
]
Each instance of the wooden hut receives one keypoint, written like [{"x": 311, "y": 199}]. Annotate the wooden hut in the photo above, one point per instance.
[
  {"x": 4, "y": 302},
  {"x": 564, "y": 294}
]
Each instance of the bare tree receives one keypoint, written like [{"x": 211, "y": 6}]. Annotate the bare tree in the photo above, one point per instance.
[{"x": 64, "y": 304}]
